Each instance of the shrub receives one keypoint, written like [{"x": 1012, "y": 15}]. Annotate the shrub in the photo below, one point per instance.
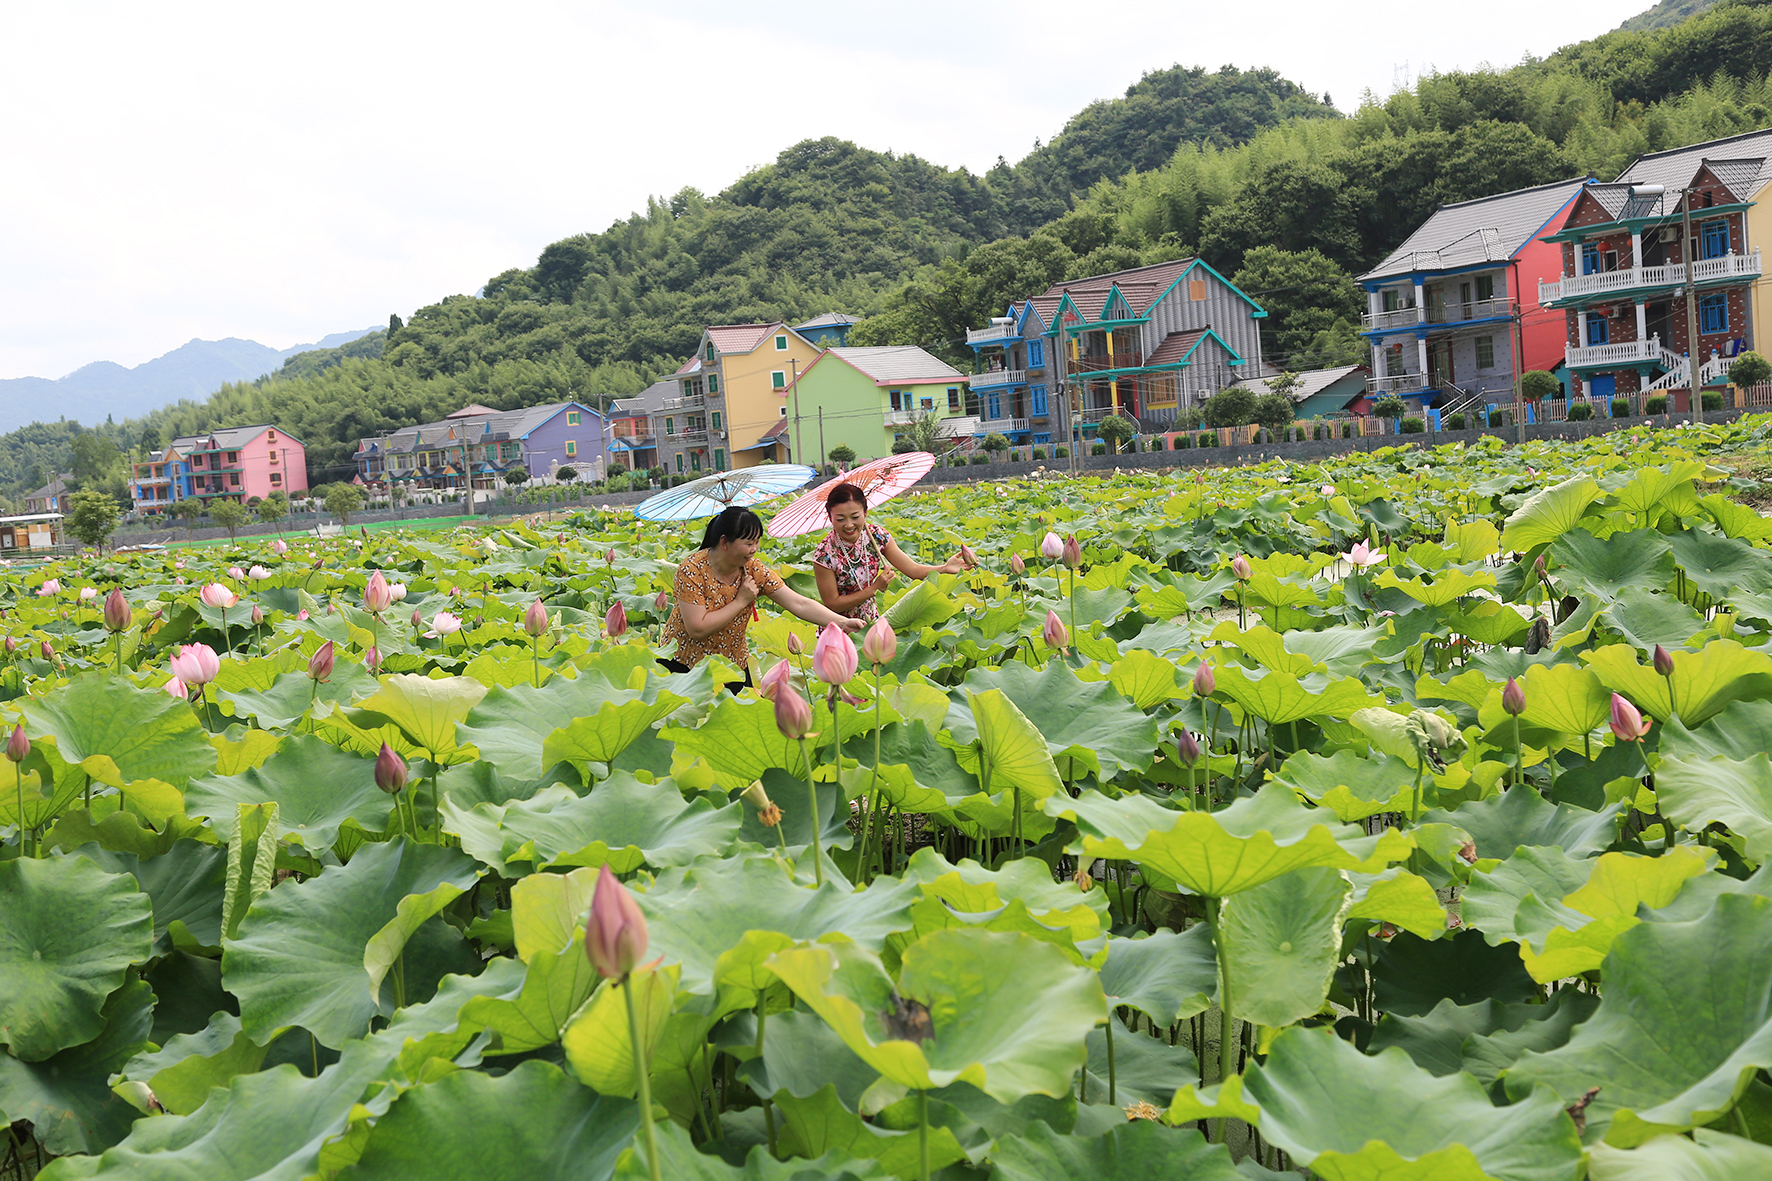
[
  {"x": 1232, "y": 406},
  {"x": 616, "y": 483},
  {"x": 1413, "y": 425},
  {"x": 1098, "y": 449},
  {"x": 1389, "y": 406},
  {"x": 1620, "y": 407},
  {"x": 1455, "y": 421},
  {"x": 1183, "y": 442},
  {"x": 1115, "y": 429},
  {"x": 1580, "y": 411},
  {"x": 1498, "y": 417},
  {"x": 1750, "y": 369},
  {"x": 1536, "y": 385},
  {"x": 1038, "y": 453},
  {"x": 1317, "y": 430},
  {"x": 618, "y": 468},
  {"x": 1655, "y": 404},
  {"x": 1156, "y": 444},
  {"x": 1347, "y": 430},
  {"x": 995, "y": 441},
  {"x": 1710, "y": 401},
  {"x": 1061, "y": 453},
  {"x": 981, "y": 457},
  {"x": 1208, "y": 439}
]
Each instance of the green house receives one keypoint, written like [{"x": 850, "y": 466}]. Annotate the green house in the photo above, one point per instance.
[{"x": 867, "y": 397}]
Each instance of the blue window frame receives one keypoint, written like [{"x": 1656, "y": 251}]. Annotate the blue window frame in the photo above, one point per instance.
[
  {"x": 1040, "y": 440},
  {"x": 1713, "y": 314},
  {"x": 1596, "y": 329},
  {"x": 1036, "y": 354},
  {"x": 995, "y": 403},
  {"x": 1590, "y": 258},
  {"x": 1037, "y": 396},
  {"x": 1715, "y": 243}
]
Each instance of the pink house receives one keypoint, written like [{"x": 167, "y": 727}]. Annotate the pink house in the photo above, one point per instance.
[{"x": 247, "y": 462}]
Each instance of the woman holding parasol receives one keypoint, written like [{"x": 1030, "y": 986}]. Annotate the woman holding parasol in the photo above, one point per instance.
[{"x": 850, "y": 563}]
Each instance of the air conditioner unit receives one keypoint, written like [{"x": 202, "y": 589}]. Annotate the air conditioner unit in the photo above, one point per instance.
[{"x": 1670, "y": 233}]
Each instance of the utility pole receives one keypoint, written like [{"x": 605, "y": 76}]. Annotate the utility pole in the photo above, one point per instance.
[
  {"x": 1692, "y": 396},
  {"x": 799, "y": 448},
  {"x": 821, "y": 451}
]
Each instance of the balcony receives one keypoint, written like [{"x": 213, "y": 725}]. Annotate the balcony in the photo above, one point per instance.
[
  {"x": 995, "y": 332},
  {"x": 687, "y": 402},
  {"x": 900, "y": 417},
  {"x": 1002, "y": 426},
  {"x": 683, "y": 438},
  {"x": 1623, "y": 355},
  {"x": 1399, "y": 383},
  {"x": 1398, "y": 318},
  {"x": 1102, "y": 363},
  {"x": 997, "y": 377},
  {"x": 1728, "y": 268}
]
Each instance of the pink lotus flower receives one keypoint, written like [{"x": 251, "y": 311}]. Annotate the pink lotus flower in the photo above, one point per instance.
[
  {"x": 179, "y": 565},
  {"x": 1055, "y": 635},
  {"x": 880, "y": 644},
  {"x": 1016, "y": 565},
  {"x": 177, "y": 688},
  {"x": 660, "y": 602},
  {"x": 772, "y": 681},
  {"x": 1664, "y": 661},
  {"x": 376, "y": 595},
  {"x": 1072, "y": 553},
  {"x": 179, "y": 581},
  {"x": 1205, "y": 683},
  {"x": 1363, "y": 555},
  {"x": 1627, "y": 723},
  {"x": 237, "y": 574},
  {"x": 51, "y": 586},
  {"x": 535, "y": 620},
  {"x": 47, "y": 649},
  {"x": 195, "y": 664},
  {"x": 615, "y": 930},
  {"x": 834, "y": 658},
  {"x": 443, "y": 624},
  {"x": 116, "y": 612},
  {"x": 302, "y": 614},
  {"x": 217, "y": 594},
  {"x": 1052, "y": 547},
  {"x": 968, "y": 557},
  {"x": 372, "y": 658},
  {"x": 11, "y": 645},
  {"x": 1327, "y": 490},
  {"x": 258, "y": 573},
  {"x": 88, "y": 593},
  {"x": 616, "y": 621},
  {"x": 321, "y": 662},
  {"x": 1240, "y": 567},
  {"x": 1513, "y": 698},
  {"x": 279, "y": 546},
  {"x": 18, "y": 747},
  {"x": 793, "y": 717}
]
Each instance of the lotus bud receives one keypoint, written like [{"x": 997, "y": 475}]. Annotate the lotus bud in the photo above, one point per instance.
[
  {"x": 390, "y": 770},
  {"x": 1188, "y": 747},
  {"x": 11, "y": 646},
  {"x": 279, "y": 546},
  {"x": 834, "y": 658},
  {"x": 615, "y": 622},
  {"x": 1240, "y": 567},
  {"x": 615, "y": 930},
  {"x": 372, "y": 658},
  {"x": 1513, "y": 698},
  {"x": 196, "y": 664},
  {"x": 479, "y": 621},
  {"x": 1664, "y": 661},
  {"x": 1538, "y": 567},
  {"x": 774, "y": 679},
  {"x": 48, "y": 650},
  {"x": 1016, "y": 565},
  {"x": 1072, "y": 552},
  {"x": 1205, "y": 683},
  {"x": 116, "y": 612},
  {"x": 302, "y": 615},
  {"x": 968, "y": 556},
  {"x": 1627, "y": 723},
  {"x": 397, "y": 591},
  {"x": 793, "y": 717},
  {"x": 880, "y": 644},
  {"x": 1052, "y": 547},
  {"x": 258, "y": 615},
  {"x": 237, "y": 574},
  {"x": 418, "y": 619},
  {"x": 1327, "y": 490},
  {"x": 376, "y": 595},
  {"x": 320, "y": 663},
  {"x": 177, "y": 688},
  {"x": 535, "y": 620},
  {"x": 609, "y": 556},
  {"x": 660, "y": 602},
  {"x": 1055, "y": 635},
  {"x": 18, "y": 746},
  {"x": 796, "y": 646}
]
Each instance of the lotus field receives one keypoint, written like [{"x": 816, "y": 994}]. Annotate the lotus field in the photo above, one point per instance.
[{"x": 1399, "y": 817}]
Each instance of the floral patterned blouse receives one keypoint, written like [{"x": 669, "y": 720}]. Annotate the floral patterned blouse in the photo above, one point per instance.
[
  {"x": 697, "y": 583},
  {"x": 855, "y": 566}
]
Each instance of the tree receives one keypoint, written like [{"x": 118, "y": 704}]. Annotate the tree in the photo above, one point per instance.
[
  {"x": 1304, "y": 294},
  {"x": 91, "y": 516},
  {"x": 150, "y": 440},
  {"x": 996, "y": 443},
  {"x": 188, "y": 511},
  {"x": 1273, "y": 410},
  {"x": 1390, "y": 406},
  {"x": 1536, "y": 384},
  {"x": 924, "y": 433},
  {"x": 1750, "y": 369},
  {"x": 1292, "y": 205},
  {"x": 517, "y": 475},
  {"x": 230, "y": 515},
  {"x": 1231, "y": 406},
  {"x": 342, "y": 500},
  {"x": 274, "y": 507},
  {"x": 1114, "y": 430},
  {"x": 841, "y": 453},
  {"x": 566, "y": 474},
  {"x": 95, "y": 457}
]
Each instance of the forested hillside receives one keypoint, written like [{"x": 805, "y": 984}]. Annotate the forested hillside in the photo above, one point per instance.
[
  {"x": 1665, "y": 15},
  {"x": 1244, "y": 167}
]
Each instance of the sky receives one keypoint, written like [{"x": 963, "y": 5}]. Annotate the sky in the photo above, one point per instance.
[{"x": 279, "y": 172}]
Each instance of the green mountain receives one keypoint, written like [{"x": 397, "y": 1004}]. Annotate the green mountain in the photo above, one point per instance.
[{"x": 1665, "y": 15}]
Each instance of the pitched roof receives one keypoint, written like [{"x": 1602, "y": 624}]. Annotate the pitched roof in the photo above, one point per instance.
[
  {"x": 740, "y": 338},
  {"x": 1311, "y": 381},
  {"x": 1675, "y": 168},
  {"x": 471, "y": 410},
  {"x": 1176, "y": 347},
  {"x": 230, "y": 437},
  {"x": 647, "y": 400},
  {"x": 888, "y": 364},
  {"x": 1738, "y": 176},
  {"x": 1488, "y": 229},
  {"x": 1160, "y": 275},
  {"x": 829, "y": 320}
]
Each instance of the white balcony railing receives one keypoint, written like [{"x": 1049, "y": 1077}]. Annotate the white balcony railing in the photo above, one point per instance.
[
  {"x": 996, "y": 377},
  {"x": 687, "y": 437},
  {"x": 958, "y": 428},
  {"x": 900, "y": 417},
  {"x": 1002, "y": 425},
  {"x": 1398, "y": 383},
  {"x": 1397, "y": 318},
  {"x": 1475, "y": 309},
  {"x": 1006, "y": 331},
  {"x": 1704, "y": 270},
  {"x": 1621, "y": 353},
  {"x": 687, "y": 402}
]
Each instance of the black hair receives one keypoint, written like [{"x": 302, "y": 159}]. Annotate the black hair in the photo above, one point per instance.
[
  {"x": 846, "y": 493},
  {"x": 733, "y": 524}
]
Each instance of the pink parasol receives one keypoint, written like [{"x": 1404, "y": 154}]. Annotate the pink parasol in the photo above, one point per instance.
[{"x": 880, "y": 479}]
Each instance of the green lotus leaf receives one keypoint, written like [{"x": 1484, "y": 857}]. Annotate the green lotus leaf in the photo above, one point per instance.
[
  {"x": 1503, "y": 822},
  {"x": 1696, "y": 792},
  {"x": 820, "y": 1124},
  {"x": 1669, "y": 1049},
  {"x": 182, "y": 1072},
  {"x": 1707, "y": 1156},
  {"x": 1146, "y": 1069},
  {"x": 1138, "y": 1151},
  {"x": 1218, "y": 854},
  {"x": 547, "y": 910},
  {"x": 1279, "y": 944},
  {"x": 1559, "y": 940},
  {"x": 970, "y": 888},
  {"x": 252, "y": 863},
  {"x": 1703, "y": 682},
  {"x": 1005, "y": 1012},
  {"x": 67, "y": 1096},
  {"x": 1019, "y": 755},
  {"x": 1148, "y": 680},
  {"x": 1487, "y": 1056},
  {"x": 1543, "y": 873},
  {"x": 316, "y": 787},
  {"x": 1488, "y": 622},
  {"x": 1266, "y": 647},
  {"x": 622, "y": 822},
  {"x": 315, "y": 954},
  {"x": 1647, "y": 619},
  {"x": 1549, "y": 513},
  {"x": 68, "y": 933},
  {"x": 1168, "y": 975},
  {"x": 50, "y": 784},
  {"x": 119, "y": 733},
  {"x": 188, "y": 992},
  {"x": 1412, "y": 975},
  {"x": 1736, "y": 732},
  {"x": 1440, "y": 589},
  {"x": 1564, "y": 698},
  {"x": 1279, "y": 697},
  {"x": 554, "y": 985},
  {"x": 794, "y": 832},
  {"x": 801, "y": 1056},
  {"x": 1349, "y": 784},
  {"x": 697, "y": 913},
  {"x": 184, "y": 886},
  {"x": 740, "y": 739},
  {"x": 1651, "y": 487},
  {"x": 425, "y": 710},
  {"x": 1639, "y": 559},
  {"x": 1400, "y": 898},
  {"x": 917, "y": 773},
  {"x": 292, "y": 694},
  {"x": 680, "y": 1160},
  {"x": 1720, "y": 566},
  {"x": 597, "y": 1042},
  {"x": 1735, "y": 519},
  {"x": 1454, "y": 1037},
  {"x": 1385, "y": 1118}
]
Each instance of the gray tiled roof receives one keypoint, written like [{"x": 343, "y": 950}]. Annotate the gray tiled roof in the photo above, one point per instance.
[
  {"x": 1739, "y": 176},
  {"x": 1489, "y": 229},
  {"x": 1311, "y": 381},
  {"x": 1675, "y": 168},
  {"x": 647, "y": 400},
  {"x": 828, "y": 320},
  {"x": 898, "y": 362}
]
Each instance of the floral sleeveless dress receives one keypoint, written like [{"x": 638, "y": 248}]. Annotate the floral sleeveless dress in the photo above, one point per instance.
[{"x": 855, "y": 567}]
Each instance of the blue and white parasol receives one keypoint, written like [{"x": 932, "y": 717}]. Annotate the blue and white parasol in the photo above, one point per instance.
[{"x": 711, "y": 494}]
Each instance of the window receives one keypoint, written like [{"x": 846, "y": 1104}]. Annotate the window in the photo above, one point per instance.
[
  {"x": 715, "y": 419},
  {"x": 1596, "y": 329},
  {"x": 719, "y": 460},
  {"x": 778, "y": 379},
  {"x": 1716, "y": 239},
  {"x": 273, "y": 457},
  {"x": 1042, "y": 439},
  {"x": 954, "y": 399},
  {"x": 709, "y": 353},
  {"x": 233, "y": 458},
  {"x": 572, "y": 418},
  {"x": 895, "y": 398},
  {"x": 996, "y": 405},
  {"x": 695, "y": 461},
  {"x": 270, "y": 436},
  {"x": 1713, "y": 314},
  {"x": 1485, "y": 352},
  {"x": 1485, "y": 287},
  {"x": 783, "y": 411},
  {"x": 1392, "y": 299},
  {"x": 713, "y": 383},
  {"x": 276, "y": 477},
  {"x": 571, "y": 447},
  {"x": 679, "y": 461},
  {"x": 1393, "y": 361},
  {"x": 670, "y": 426},
  {"x": 1196, "y": 289},
  {"x": 1037, "y": 396},
  {"x": 926, "y": 403},
  {"x": 233, "y": 479},
  {"x": 1036, "y": 354},
  {"x": 781, "y": 343}
]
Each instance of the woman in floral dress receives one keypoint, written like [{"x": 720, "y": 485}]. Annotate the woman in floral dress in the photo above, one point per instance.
[{"x": 847, "y": 562}]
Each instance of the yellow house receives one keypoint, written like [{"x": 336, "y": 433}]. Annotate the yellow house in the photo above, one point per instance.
[{"x": 733, "y": 396}]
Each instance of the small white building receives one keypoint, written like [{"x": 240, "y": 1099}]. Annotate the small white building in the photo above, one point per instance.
[{"x": 31, "y": 531}]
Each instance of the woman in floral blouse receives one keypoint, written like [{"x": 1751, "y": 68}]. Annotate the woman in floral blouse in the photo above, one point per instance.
[
  {"x": 847, "y": 562},
  {"x": 716, "y": 589}
]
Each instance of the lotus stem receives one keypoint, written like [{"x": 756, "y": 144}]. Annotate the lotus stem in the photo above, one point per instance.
[
  {"x": 1113, "y": 1091},
  {"x": 1519, "y": 758},
  {"x": 645, "y": 1084},
  {"x": 1072, "y": 596},
  {"x": 1227, "y": 1045},
  {"x": 18, "y": 774},
  {"x": 817, "y": 843},
  {"x": 117, "y": 646},
  {"x": 535, "y": 661},
  {"x": 923, "y": 1131}
]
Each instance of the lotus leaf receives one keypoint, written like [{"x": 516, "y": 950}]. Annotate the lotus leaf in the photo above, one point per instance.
[
  {"x": 1350, "y": 785},
  {"x": 1707, "y": 1156},
  {"x": 1501, "y": 823},
  {"x": 1549, "y": 513},
  {"x": 1703, "y": 682},
  {"x": 118, "y": 733},
  {"x": 1167, "y": 976},
  {"x": 596, "y": 1041},
  {"x": 67, "y": 1096},
  {"x": 317, "y": 788},
  {"x": 1634, "y": 560},
  {"x": 426, "y": 710},
  {"x": 1697, "y": 792}
]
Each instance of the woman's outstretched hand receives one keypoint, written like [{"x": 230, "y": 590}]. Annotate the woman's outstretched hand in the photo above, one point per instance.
[
  {"x": 848, "y": 624},
  {"x": 747, "y": 589},
  {"x": 955, "y": 564},
  {"x": 884, "y": 580}
]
